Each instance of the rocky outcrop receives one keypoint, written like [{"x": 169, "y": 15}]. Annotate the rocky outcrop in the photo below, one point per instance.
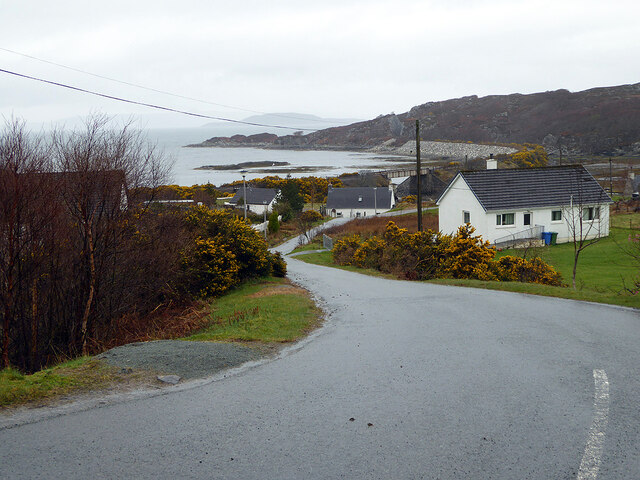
[{"x": 604, "y": 121}]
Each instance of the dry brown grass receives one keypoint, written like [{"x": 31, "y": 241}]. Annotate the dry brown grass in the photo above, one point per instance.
[
  {"x": 278, "y": 290},
  {"x": 376, "y": 225},
  {"x": 164, "y": 323}
]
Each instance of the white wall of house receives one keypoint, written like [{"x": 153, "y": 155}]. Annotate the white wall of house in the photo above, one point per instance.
[
  {"x": 360, "y": 212},
  {"x": 356, "y": 212},
  {"x": 259, "y": 209},
  {"x": 560, "y": 222},
  {"x": 256, "y": 208},
  {"x": 459, "y": 199}
]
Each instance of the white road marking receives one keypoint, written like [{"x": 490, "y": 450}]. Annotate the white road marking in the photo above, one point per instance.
[{"x": 590, "y": 464}]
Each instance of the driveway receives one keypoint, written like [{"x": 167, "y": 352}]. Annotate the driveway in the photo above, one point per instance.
[{"x": 405, "y": 380}]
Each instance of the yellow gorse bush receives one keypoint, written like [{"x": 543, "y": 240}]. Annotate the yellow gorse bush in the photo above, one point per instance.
[
  {"x": 225, "y": 252},
  {"x": 430, "y": 254}
]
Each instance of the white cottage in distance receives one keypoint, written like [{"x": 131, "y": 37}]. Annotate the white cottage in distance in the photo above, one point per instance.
[
  {"x": 505, "y": 205},
  {"x": 258, "y": 199},
  {"x": 359, "y": 201}
]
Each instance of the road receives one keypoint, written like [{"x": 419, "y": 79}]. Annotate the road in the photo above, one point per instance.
[{"x": 405, "y": 381}]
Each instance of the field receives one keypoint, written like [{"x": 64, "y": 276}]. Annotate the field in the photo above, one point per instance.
[{"x": 376, "y": 225}]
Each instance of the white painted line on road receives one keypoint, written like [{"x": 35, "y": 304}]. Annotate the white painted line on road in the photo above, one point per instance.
[{"x": 590, "y": 464}]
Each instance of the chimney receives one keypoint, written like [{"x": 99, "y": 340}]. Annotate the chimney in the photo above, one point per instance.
[{"x": 492, "y": 163}]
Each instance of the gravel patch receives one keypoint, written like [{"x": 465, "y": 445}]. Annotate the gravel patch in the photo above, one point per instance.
[{"x": 183, "y": 358}]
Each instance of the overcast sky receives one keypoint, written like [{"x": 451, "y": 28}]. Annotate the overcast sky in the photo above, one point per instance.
[{"x": 332, "y": 58}]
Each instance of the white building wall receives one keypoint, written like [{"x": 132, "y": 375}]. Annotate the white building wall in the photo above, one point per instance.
[
  {"x": 356, "y": 212},
  {"x": 590, "y": 229},
  {"x": 361, "y": 212},
  {"x": 458, "y": 199}
]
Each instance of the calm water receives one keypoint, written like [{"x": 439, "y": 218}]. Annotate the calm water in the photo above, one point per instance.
[{"x": 187, "y": 159}]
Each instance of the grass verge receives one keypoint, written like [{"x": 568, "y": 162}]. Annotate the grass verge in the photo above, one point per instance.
[
  {"x": 71, "y": 377},
  {"x": 265, "y": 312},
  {"x": 325, "y": 259},
  {"x": 268, "y": 311}
]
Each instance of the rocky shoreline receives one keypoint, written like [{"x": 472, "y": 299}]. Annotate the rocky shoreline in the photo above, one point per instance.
[{"x": 428, "y": 149}]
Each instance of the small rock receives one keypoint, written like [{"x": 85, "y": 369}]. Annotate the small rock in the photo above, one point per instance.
[
  {"x": 171, "y": 379},
  {"x": 352, "y": 419},
  {"x": 126, "y": 370},
  {"x": 369, "y": 424}
]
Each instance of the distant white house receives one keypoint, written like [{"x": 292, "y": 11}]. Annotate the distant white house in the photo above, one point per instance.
[
  {"x": 506, "y": 205},
  {"x": 359, "y": 201},
  {"x": 258, "y": 199}
]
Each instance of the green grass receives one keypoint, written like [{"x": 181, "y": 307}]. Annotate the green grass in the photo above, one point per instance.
[
  {"x": 625, "y": 220},
  {"x": 315, "y": 244},
  {"x": 74, "y": 376},
  {"x": 269, "y": 311},
  {"x": 603, "y": 268},
  {"x": 325, "y": 259}
]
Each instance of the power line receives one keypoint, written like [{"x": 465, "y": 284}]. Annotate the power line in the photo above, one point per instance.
[
  {"x": 154, "y": 89},
  {"x": 150, "y": 105}
]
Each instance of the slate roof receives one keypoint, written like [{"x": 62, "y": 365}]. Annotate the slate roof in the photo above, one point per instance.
[
  {"x": 255, "y": 195},
  {"x": 509, "y": 189},
  {"x": 359, "y": 197}
]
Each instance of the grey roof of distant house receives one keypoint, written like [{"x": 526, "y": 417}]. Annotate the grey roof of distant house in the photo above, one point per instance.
[
  {"x": 359, "y": 197},
  {"x": 255, "y": 195},
  {"x": 507, "y": 189}
]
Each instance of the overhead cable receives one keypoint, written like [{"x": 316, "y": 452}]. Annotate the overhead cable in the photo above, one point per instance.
[
  {"x": 150, "y": 105},
  {"x": 157, "y": 90}
]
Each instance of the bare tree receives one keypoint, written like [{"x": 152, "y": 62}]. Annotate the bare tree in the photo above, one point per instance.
[
  {"x": 98, "y": 165},
  {"x": 23, "y": 221},
  {"x": 584, "y": 217}
]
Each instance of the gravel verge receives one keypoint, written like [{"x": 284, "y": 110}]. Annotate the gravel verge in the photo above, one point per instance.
[{"x": 186, "y": 359}]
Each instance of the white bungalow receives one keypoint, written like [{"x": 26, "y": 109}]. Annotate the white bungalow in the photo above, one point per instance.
[
  {"x": 359, "y": 201},
  {"x": 510, "y": 205}
]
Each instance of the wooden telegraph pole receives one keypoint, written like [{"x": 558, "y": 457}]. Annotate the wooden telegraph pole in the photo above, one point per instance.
[{"x": 418, "y": 178}]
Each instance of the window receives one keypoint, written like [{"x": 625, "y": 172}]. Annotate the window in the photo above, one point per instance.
[
  {"x": 466, "y": 217},
  {"x": 556, "y": 215},
  {"x": 591, "y": 213},
  {"x": 527, "y": 219},
  {"x": 505, "y": 219}
]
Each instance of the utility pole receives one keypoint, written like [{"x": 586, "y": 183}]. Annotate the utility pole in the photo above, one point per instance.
[
  {"x": 375, "y": 200},
  {"x": 264, "y": 211},
  {"x": 610, "y": 179},
  {"x": 244, "y": 194},
  {"x": 418, "y": 179}
]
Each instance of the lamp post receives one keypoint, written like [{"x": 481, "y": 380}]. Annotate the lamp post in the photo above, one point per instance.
[
  {"x": 244, "y": 193},
  {"x": 375, "y": 200},
  {"x": 264, "y": 203}
]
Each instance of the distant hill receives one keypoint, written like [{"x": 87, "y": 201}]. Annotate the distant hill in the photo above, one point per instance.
[
  {"x": 602, "y": 121},
  {"x": 297, "y": 121}
]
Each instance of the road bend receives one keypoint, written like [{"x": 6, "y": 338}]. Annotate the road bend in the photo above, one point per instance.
[{"x": 405, "y": 380}]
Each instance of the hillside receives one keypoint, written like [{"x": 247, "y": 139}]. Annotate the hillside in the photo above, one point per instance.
[{"x": 599, "y": 121}]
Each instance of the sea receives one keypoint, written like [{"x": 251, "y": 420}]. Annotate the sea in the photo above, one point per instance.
[{"x": 187, "y": 160}]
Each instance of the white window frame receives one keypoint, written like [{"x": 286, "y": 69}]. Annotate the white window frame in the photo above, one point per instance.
[
  {"x": 524, "y": 216},
  {"x": 466, "y": 216},
  {"x": 556, "y": 221},
  {"x": 592, "y": 214},
  {"x": 500, "y": 220}
]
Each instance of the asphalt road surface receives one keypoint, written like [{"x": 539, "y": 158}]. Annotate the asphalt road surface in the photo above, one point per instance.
[{"x": 404, "y": 381}]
